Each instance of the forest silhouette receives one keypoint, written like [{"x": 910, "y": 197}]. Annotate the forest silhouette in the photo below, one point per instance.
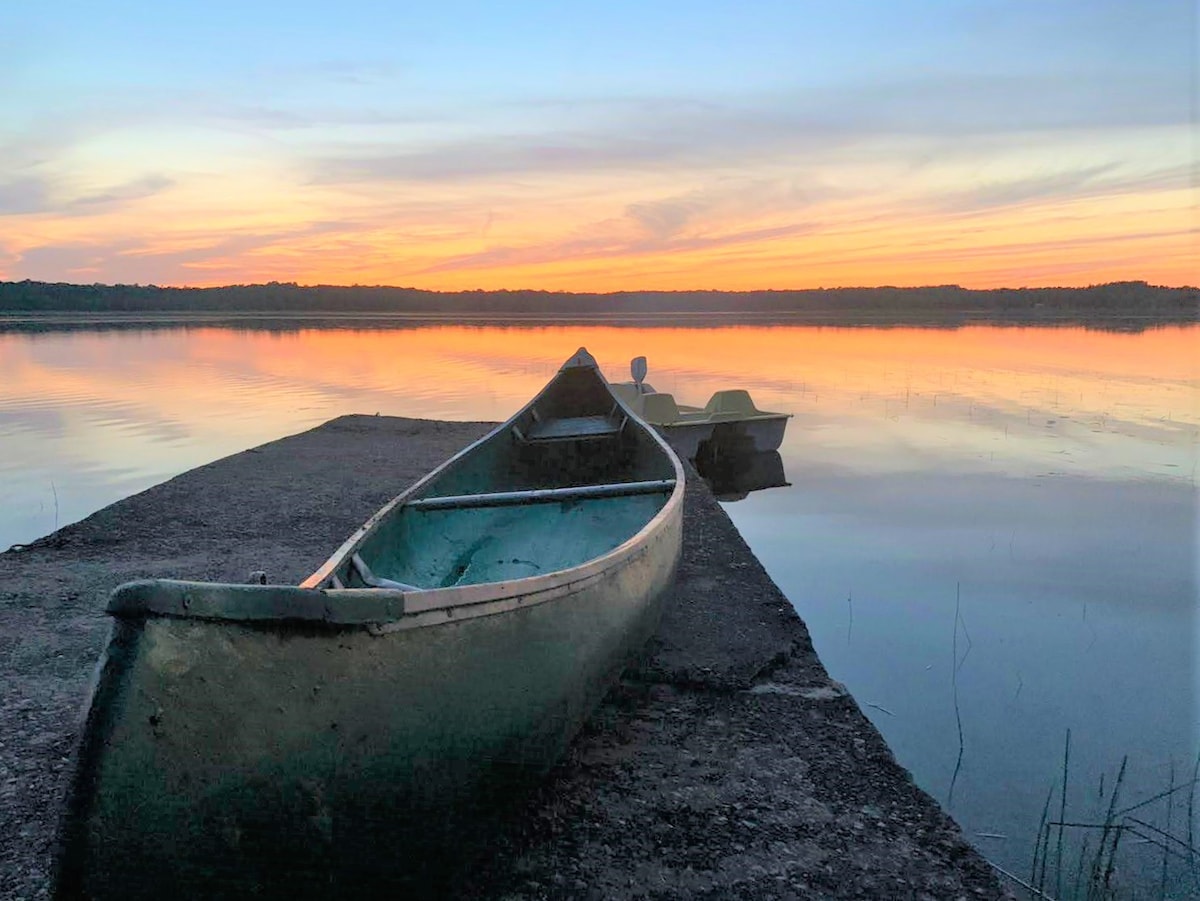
[{"x": 1134, "y": 302}]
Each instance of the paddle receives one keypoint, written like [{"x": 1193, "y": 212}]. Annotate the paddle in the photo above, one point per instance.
[{"x": 637, "y": 368}]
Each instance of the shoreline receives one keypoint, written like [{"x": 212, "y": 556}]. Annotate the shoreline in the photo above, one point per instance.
[
  {"x": 1122, "y": 305},
  {"x": 727, "y": 763},
  {"x": 48, "y": 321}
]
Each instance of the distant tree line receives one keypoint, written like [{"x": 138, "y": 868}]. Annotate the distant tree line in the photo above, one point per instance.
[{"x": 1134, "y": 300}]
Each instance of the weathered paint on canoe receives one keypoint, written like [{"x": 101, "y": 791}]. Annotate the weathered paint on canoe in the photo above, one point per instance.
[{"x": 280, "y": 740}]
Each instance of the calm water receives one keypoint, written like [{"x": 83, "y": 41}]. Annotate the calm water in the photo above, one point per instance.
[{"x": 1024, "y": 499}]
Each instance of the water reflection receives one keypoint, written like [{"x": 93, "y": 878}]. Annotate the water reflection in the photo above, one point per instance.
[
  {"x": 732, "y": 475},
  {"x": 1047, "y": 477},
  {"x": 88, "y": 417}
]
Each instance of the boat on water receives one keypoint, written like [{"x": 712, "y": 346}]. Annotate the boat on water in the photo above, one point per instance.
[
  {"x": 729, "y": 423},
  {"x": 278, "y": 740}
]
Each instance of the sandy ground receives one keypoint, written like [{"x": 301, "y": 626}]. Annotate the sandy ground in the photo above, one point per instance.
[{"x": 727, "y": 765}]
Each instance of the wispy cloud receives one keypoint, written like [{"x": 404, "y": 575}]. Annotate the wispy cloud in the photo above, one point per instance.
[
  {"x": 38, "y": 194},
  {"x": 995, "y": 194},
  {"x": 1106, "y": 180},
  {"x": 612, "y": 244},
  {"x": 23, "y": 195},
  {"x": 482, "y": 158},
  {"x": 684, "y": 135},
  {"x": 745, "y": 131},
  {"x": 218, "y": 110},
  {"x": 137, "y": 189},
  {"x": 335, "y": 70},
  {"x": 725, "y": 200},
  {"x": 966, "y": 104},
  {"x": 665, "y": 218},
  {"x": 142, "y": 260}
]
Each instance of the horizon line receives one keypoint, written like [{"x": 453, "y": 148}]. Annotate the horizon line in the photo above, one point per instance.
[{"x": 885, "y": 287}]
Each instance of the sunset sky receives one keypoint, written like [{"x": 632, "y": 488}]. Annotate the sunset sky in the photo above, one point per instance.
[{"x": 599, "y": 146}]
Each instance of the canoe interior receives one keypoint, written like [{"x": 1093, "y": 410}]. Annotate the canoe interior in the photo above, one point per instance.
[
  {"x": 444, "y": 548},
  {"x": 573, "y": 434}
]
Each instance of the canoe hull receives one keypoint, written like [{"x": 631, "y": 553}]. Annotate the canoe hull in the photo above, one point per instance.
[{"x": 344, "y": 740}]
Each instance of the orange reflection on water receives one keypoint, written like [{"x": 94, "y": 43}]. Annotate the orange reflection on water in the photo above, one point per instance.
[
  {"x": 125, "y": 409},
  {"x": 463, "y": 371},
  {"x": 250, "y": 386}
]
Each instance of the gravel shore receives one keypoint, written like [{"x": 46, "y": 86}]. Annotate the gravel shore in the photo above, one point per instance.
[{"x": 726, "y": 765}]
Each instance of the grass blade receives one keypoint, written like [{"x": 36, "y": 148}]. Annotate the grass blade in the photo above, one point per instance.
[
  {"x": 1062, "y": 818},
  {"x": 1043, "y": 830}
]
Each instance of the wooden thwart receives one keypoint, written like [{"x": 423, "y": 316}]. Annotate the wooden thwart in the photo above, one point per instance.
[
  {"x": 573, "y": 428},
  {"x": 542, "y": 495}
]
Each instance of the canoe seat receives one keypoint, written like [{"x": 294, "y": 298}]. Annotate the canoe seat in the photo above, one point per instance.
[
  {"x": 573, "y": 428},
  {"x": 542, "y": 495},
  {"x": 732, "y": 404},
  {"x": 659, "y": 409}
]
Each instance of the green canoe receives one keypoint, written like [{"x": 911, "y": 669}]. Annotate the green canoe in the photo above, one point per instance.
[{"x": 268, "y": 740}]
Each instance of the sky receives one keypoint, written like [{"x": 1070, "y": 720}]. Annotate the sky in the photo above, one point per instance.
[{"x": 600, "y": 146}]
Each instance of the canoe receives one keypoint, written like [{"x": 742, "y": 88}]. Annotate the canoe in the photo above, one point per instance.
[
  {"x": 729, "y": 424},
  {"x": 288, "y": 739}
]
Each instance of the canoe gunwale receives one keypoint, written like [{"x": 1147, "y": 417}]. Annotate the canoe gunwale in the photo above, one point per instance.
[{"x": 379, "y": 610}]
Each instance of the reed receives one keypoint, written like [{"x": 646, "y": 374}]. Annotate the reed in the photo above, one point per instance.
[
  {"x": 1102, "y": 870},
  {"x": 1079, "y": 868},
  {"x": 957, "y": 664},
  {"x": 1062, "y": 818},
  {"x": 1191, "y": 812},
  {"x": 1166, "y": 848},
  {"x": 1095, "y": 868},
  {"x": 1038, "y": 852}
]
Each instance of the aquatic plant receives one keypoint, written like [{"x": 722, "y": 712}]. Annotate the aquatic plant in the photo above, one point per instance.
[{"x": 1098, "y": 870}]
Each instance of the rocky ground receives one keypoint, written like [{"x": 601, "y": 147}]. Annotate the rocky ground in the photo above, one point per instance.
[{"x": 726, "y": 765}]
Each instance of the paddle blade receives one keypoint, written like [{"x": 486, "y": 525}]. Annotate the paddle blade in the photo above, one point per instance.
[{"x": 637, "y": 368}]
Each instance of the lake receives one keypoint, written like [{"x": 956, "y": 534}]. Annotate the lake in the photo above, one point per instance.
[{"x": 991, "y": 532}]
